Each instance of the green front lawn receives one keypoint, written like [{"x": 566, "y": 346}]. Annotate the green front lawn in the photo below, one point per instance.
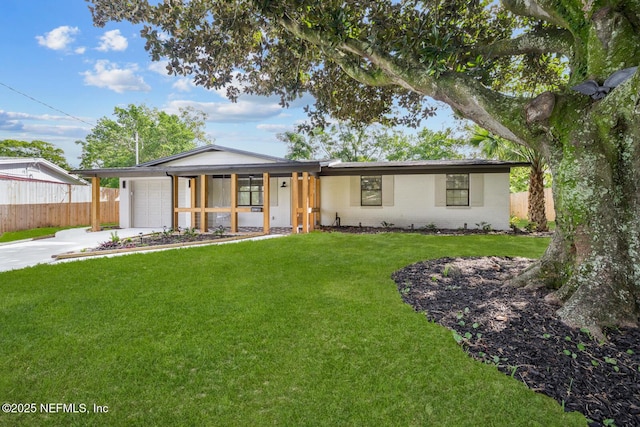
[
  {"x": 33, "y": 233},
  {"x": 293, "y": 331}
]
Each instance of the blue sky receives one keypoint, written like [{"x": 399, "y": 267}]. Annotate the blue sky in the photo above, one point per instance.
[{"x": 61, "y": 74}]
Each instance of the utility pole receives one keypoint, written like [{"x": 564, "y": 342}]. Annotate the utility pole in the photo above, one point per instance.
[{"x": 137, "y": 150}]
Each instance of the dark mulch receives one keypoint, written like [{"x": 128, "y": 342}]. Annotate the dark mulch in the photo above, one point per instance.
[
  {"x": 354, "y": 229},
  {"x": 157, "y": 239},
  {"x": 516, "y": 330}
]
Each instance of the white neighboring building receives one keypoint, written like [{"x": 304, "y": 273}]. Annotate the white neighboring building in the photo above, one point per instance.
[
  {"x": 36, "y": 169},
  {"x": 226, "y": 186}
]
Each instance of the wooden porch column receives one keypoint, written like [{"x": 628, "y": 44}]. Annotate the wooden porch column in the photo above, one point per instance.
[
  {"x": 69, "y": 189},
  {"x": 318, "y": 202},
  {"x": 174, "y": 219},
  {"x": 234, "y": 202},
  {"x": 312, "y": 203},
  {"x": 266, "y": 203},
  {"x": 294, "y": 202},
  {"x": 204, "y": 198},
  {"x": 95, "y": 203},
  {"x": 305, "y": 202},
  {"x": 192, "y": 187}
]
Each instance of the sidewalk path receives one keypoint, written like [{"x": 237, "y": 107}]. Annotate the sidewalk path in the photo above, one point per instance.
[{"x": 26, "y": 253}]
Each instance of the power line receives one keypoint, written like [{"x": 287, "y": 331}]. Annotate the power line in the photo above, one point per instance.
[{"x": 46, "y": 105}]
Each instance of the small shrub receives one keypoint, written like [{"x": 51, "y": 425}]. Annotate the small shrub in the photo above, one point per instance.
[
  {"x": 190, "y": 232},
  {"x": 219, "y": 231},
  {"x": 429, "y": 227},
  {"x": 514, "y": 223},
  {"x": 484, "y": 226}
]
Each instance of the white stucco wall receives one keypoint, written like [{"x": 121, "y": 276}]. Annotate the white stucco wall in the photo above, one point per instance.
[
  {"x": 219, "y": 196},
  {"x": 128, "y": 189},
  {"x": 413, "y": 202},
  {"x": 279, "y": 206},
  {"x": 125, "y": 203}
]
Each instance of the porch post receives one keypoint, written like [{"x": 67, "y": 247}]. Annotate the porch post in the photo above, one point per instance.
[
  {"x": 266, "y": 203},
  {"x": 204, "y": 223},
  {"x": 234, "y": 202},
  {"x": 294, "y": 202},
  {"x": 318, "y": 202},
  {"x": 312, "y": 203},
  {"x": 174, "y": 220},
  {"x": 305, "y": 202},
  {"x": 192, "y": 187},
  {"x": 95, "y": 203},
  {"x": 69, "y": 189}
]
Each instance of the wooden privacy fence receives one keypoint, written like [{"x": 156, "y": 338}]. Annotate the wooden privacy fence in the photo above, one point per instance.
[
  {"x": 32, "y": 204},
  {"x": 520, "y": 204}
]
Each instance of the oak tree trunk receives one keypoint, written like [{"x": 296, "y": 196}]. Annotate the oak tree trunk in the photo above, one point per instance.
[
  {"x": 537, "y": 206},
  {"x": 593, "y": 261}
]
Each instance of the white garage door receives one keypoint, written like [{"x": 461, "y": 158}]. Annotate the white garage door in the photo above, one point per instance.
[{"x": 152, "y": 203}]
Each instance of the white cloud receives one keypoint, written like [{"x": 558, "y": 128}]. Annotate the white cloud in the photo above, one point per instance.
[
  {"x": 159, "y": 67},
  {"x": 273, "y": 128},
  {"x": 42, "y": 123},
  {"x": 183, "y": 85},
  {"x": 107, "y": 75},
  {"x": 61, "y": 131},
  {"x": 112, "y": 40},
  {"x": 80, "y": 50},
  {"x": 219, "y": 112},
  {"x": 58, "y": 38},
  {"x": 26, "y": 116},
  {"x": 8, "y": 124}
]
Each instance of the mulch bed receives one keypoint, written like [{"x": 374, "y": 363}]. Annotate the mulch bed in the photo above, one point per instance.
[
  {"x": 158, "y": 239},
  {"x": 519, "y": 333},
  {"x": 354, "y": 229}
]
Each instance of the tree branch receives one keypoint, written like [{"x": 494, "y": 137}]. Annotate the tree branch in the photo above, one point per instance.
[
  {"x": 550, "y": 41},
  {"x": 355, "y": 70},
  {"x": 464, "y": 94},
  {"x": 545, "y": 10},
  {"x": 471, "y": 99}
]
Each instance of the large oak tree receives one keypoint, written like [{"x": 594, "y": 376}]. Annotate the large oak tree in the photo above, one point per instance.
[{"x": 363, "y": 59}]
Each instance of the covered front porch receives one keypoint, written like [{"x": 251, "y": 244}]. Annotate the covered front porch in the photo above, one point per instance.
[{"x": 229, "y": 196}]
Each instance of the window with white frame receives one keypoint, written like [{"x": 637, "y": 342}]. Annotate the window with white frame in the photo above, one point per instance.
[
  {"x": 457, "y": 189},
  {"x": 371, "y": 190}
]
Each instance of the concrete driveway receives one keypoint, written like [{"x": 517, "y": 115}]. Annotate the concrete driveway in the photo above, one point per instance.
[{"x": 25, "y": 253}]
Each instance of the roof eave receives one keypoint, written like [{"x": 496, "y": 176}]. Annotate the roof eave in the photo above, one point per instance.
[
  {"x": 242, "y": 169},
  {"x": 410, "y": 169}
]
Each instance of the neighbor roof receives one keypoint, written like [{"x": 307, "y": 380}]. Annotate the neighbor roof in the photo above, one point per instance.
[{"x": 41, "y": 164}]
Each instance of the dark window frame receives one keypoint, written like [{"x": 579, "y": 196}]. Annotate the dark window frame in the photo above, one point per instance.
[
  {"x": 370, "y": 185},
  {"x": 457, "y": 189},
  {"x": 254, "y": 188}
]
